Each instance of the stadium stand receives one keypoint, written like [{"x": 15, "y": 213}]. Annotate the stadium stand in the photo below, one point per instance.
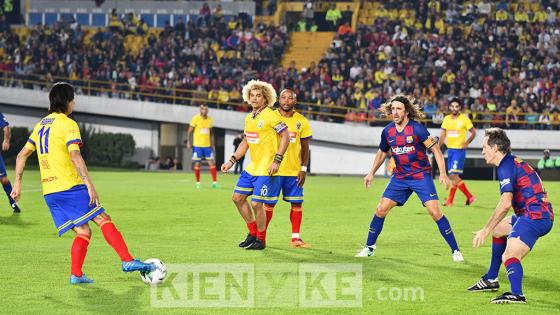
[{"x": 500, "y": 57}]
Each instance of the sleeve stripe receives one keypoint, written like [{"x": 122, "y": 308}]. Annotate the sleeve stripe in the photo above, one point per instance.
[
  {"x": 282, "y": 129},
  {"x": 31, "y": 141},
  {"x": 77, "y": 141},
  {"x": 306, "y": 138}
]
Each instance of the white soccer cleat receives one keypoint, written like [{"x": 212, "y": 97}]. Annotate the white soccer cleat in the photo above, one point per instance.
[
  {"x": 457, "y": 256},
  {"x": 366, "y": 252}
]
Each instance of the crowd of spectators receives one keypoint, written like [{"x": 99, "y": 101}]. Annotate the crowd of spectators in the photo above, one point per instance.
[{"x": 501, "y": 58}]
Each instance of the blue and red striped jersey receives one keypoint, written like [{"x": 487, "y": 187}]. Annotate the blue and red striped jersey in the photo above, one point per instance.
[
  {"x": 408, "y": 147},
  {"x": 529, "y": 197}
]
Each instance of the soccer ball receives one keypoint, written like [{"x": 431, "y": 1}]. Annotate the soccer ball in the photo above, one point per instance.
[{"x": 155, "y": 276}]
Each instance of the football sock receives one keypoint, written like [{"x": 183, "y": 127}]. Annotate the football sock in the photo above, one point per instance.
[
  {"x": 213, "y": 173},
  {"x": 261, "y": 235},
  {"x": 197, "y": 174},
  {"x": 515, "y": 275},
  {"x": 447, "y": 233},
  {"x": 498, "y": 248},
  {"x": 115, "y": 239},
  {"x": 269, "y": 212},
  {"x": 8, "y": 190},
  {"x": 78, "y": 253},
  {"x": 252, "y": 226},
  {"x": 452, "y": 194},
  {"x": 375, "y": 228},
  {"x": 464, "y": 189},
  {"x": 295, "y": 219}
]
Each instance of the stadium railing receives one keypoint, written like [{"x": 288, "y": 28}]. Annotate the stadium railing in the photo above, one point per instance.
[{"x": 189, "y": 97}]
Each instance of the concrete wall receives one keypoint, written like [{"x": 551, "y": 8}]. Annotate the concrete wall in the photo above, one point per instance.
[{"x": 335, "y": 149}]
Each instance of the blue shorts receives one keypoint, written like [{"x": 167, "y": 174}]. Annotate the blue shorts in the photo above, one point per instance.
[
  {"x": 291, "y": 192},
  {"x": 399, "y": 190},
  {"x": 200, "y": 153},
  {"x": 456, "y": 160},
  {"x": 529, "y": 230},
  {"x": 264, "y": 189},
  {"x": 3, "y": 172},
  {"x": 71, "y": 208}
]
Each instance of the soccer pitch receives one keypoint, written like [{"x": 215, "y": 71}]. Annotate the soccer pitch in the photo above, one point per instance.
[{"x": 162, "y": 215}]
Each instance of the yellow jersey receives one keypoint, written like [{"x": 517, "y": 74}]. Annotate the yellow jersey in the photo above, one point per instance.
[
  {"x": 54, "y": 137},
  {"x": 456, "y": 130},
  {"x": 299, "y": 129},
  {"x": 261, "y": 133},
  {"x": 201, "y": 133}
]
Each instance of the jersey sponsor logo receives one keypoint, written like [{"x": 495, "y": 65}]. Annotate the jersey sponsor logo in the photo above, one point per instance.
[
  {"x": 505, "y": 182},
  {"x": 453, "y": 133},
  {"x": 47, "y": 121},
  {"x": 204, "y": 131},
  {"x": 402, "y": 150},
  {"x": 409, "y": 139},
  {"x": 252, "y": 137},
  {"x": 49, "y": 179},
  {"x": 293, "y": 137}
]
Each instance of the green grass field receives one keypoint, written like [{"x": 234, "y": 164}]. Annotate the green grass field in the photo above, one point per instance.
[{"x": 162, "y": 215}]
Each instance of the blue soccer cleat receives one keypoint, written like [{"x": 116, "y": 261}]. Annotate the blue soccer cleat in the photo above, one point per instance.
[
  {"x": 80, "y": 280},
  {"x": 137, "y": 265}
]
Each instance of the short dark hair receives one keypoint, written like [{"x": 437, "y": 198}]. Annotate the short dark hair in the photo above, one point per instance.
[
  {"x": 60, "y": 95},
  {"x": 497, "y": 136},
  {"x": 456, "y": 99}
]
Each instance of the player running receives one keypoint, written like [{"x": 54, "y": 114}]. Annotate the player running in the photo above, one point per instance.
[
  {"x": 293, "y": 169},
  {"x": 3, "y": 174},
  {"x": 266, "y": 137},
  {"x": 454, "y": 128},
  {"x": 67, "y": 187},
  {"x": 512, "y": 237},
  {"x": 408, "y": 141},
  {"x": 200, "y": 128}
]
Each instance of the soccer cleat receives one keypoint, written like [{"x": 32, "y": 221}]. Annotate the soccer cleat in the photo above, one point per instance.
[
  {"x": 470, "y": 201},
  {"x": 215, "y": 185},
  {"x": 448, "y": 204},
  {"x": 137, "y": 265},
  {"x": 298, "y": 242},
  {"x": 366, "y": 252},
  {"x": 256, "y": 245},
  {"x": 508, "y": 298},
  {"x": 80, "y": 280},
  {"x": 197, "y": 185},
  {"x": 16, "y": 208},
  {"x": 248, "y": 241},
  {"x": 457, "y": 256},
  {"x": 484, "y": 285}
]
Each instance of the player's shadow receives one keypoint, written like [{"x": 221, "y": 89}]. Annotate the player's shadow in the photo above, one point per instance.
[
  {"x": 16, "y": 221},
  {"x": 102, "y": 301}
]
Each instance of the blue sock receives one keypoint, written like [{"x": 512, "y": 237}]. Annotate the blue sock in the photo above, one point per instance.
[
  {"x": 8, "y": 190},
  {"x": 375, "y": 228},
  {"x": 447, "y": 233},
  {"x": 498, "y": 248},
  {"x": 515, "y": 275}
]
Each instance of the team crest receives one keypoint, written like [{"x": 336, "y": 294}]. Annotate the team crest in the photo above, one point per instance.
[
  {"x": 261, "y": 124},
  {"x": 409, "y": 139},
  {"x": 298, "y": 125}
]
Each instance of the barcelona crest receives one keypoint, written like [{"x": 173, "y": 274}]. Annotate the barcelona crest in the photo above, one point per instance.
[{"x": 409, "y": 139}]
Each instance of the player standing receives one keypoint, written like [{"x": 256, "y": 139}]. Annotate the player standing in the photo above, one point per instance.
[
  {"x": 3, "y": 174},
  {"x": 408, "y": 141},
  {"x": 200, "y": 128},
  {"x": 512, "y": 237},
  {"x": 266, "y": 138},
  {"x": 67, "y": 187},
  {"x": 454, "y": 128},
  {"x": 293, "y": 169}
]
